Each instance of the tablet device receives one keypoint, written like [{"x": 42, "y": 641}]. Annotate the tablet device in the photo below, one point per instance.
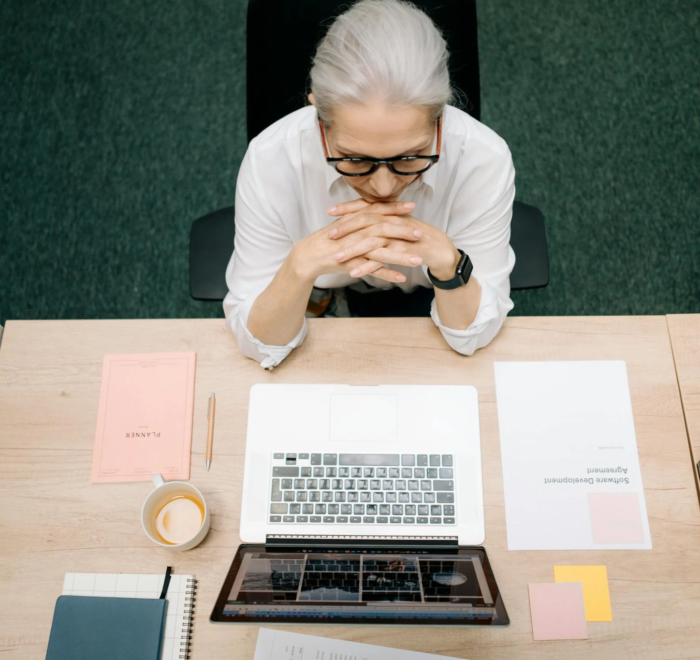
[{"x": 395, "y": 584}]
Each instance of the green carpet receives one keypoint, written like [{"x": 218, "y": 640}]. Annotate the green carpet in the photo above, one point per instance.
[{"x": 122, "y": 122}]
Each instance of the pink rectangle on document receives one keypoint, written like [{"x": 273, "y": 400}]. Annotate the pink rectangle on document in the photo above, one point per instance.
[
  {"x": 615, "y": 518},
  {"x": 557, "y": 611}
]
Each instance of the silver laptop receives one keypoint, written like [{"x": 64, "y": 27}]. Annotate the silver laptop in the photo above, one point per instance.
[{"x": 387, "y": 461}]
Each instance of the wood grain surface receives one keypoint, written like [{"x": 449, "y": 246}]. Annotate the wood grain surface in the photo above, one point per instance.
[{"x": 54, "y": 521}]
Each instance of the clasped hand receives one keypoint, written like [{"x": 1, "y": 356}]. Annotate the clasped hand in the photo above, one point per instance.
[{"x": 368, "y": 237}]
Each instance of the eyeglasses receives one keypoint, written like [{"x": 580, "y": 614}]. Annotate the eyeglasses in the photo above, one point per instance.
[{"x": 403, "y": 165}]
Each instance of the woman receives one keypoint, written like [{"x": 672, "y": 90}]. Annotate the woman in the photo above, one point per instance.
[{"x": 305, "y": 217}]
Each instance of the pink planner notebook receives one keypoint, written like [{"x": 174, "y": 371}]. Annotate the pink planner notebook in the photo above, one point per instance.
[{"x": 144, "y": 422}]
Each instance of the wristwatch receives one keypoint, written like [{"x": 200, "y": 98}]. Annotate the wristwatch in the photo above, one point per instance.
[{"x": 462, "y": 274}]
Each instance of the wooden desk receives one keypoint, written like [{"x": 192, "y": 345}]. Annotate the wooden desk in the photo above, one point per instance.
[
  {"x": 684, "y": 330},
  {"x": 54, "y": 521}
]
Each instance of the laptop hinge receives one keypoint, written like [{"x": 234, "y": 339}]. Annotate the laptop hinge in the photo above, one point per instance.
[{"x": 367, "y": 541}]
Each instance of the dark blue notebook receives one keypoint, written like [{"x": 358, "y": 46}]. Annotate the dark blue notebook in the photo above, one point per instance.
[{"x": 89, "y": 627}]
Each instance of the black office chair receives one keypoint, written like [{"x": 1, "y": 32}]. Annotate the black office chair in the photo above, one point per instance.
[{"x": 281, "y": 40}]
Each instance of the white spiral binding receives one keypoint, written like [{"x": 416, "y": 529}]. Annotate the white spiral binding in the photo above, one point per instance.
[{"x": 186, "y": 637}]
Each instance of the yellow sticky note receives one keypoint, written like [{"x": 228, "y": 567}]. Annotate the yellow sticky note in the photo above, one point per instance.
[{"x": 594, "y": 579}]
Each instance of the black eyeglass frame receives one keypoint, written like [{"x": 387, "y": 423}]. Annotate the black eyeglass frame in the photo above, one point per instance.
[{"x": 376, "y": 162}]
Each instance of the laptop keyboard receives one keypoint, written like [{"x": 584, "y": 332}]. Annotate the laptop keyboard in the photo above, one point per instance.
[{"x": 386, "y": 489}]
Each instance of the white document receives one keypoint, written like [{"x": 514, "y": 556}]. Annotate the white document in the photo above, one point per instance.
[
  {"x": 570, "y": 465},
  {"x": 280, "y": 645}
]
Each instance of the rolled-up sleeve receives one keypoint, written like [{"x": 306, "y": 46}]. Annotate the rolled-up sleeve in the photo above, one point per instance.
[
  {"x": 261, "y": 245},
  {"x": 480, "y": 220}
]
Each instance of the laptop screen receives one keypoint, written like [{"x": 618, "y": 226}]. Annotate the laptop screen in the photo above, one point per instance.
[{"x": 436, "y": 587}]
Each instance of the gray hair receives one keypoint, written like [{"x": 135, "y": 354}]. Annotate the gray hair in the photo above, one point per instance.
[{"x": 386, "y": 50}]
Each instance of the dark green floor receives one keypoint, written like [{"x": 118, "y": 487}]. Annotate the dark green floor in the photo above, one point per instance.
[{"x": 121, "y": 122}]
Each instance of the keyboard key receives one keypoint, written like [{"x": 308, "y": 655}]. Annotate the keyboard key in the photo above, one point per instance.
[
  {"x": 362, "y": 484},
  {"x": 400, "y": 484},
  {"x": 318, "y": 472},
  {"x": 316, "y": 519},
  {"x": 295, "y": 508},
  {"x": 422, "y": 521},
  {"x": 446, "y": 498},
  {"x": 302, "y": 496},
  {"x": 446, "y": 460},
  {"x": 285, "y": 471},
  {"x": 384, "y": 509},
  {"x": 299, "y": 484},
  {"x": 395, "y": 521},
  {"x": 343, "y": 472},
  {"x": 394, "y": 472},
  {"x": 406, "y": 473},
  {"x": 337, "y": 484},
  {"x": 341, "y": 519},
  {"x": 443, "y": 485},
  {"x": 291, "y": 461},
  {"x": 369, "y": 473},
  {"x": 371, "y": 509},
  {"x": 390, "y": 497},
  {"x": 375, "y": 484},
  {"x": 388, "y": 484},
  {"x": 307, "y": 508},
  {"x": 358, "y": 509},
  {"x": 432, "y": 473},
  {"x": 349, "y": 484},
  {"x": 287, "y": 519},
  {"x": 436, "y": 510},
  {"x": 434, "y": 460},
  {"x": 356, "y": 472},
  {"x": 328, "y": 519},
  {"x": 315, "y": 496},
  {"x": 412, "y": 485},
  {"x": 381, "y": 472},
  {"x": 419, "y": 473},
  {"x": 408, "y": 459},
  {"x": 278, "y": 508},
  {"x": 346, "y": 509},
  {"x": 275, "y": 518},
  {"x": 449, "y": 510},
  {"x": 276, "y": 492},
  {"x": 429, "y": 498},
  {"x": 286, "y": 484},
  {"x": 306, "y": 472},
  {"x": 367, "y": 521},
  {"x": 304, "y": 457},
  {"x": 316, "y": 459},
  {"x": 302, "y": 519},
  {"x": 330, "y": 459},
  {"x": 382, "y": 521},
  {"x": 324, "y": 484},
  {"x": 334, "y": 509},
  {"x": 417, "y": 498},
  {"x": 326, "y": 496},
  {"x": 320, "y": 509},
  {"x": 369, "y": 459},
  {"x": 397, "y": 510},
  {"x": 355, "y": 519},
  {"x": 288, "y": 496},
  {"x": 377, "y": 497},
  {"x": 365, "y": 496},
  {"x": 278, "y": 455},
  {"x": 423, "y": 510},
  {"x": 435, "y": 521},
  {"x": 410, "y": 510},
  {"x": 449, "y": 521},
  {"x": 422, "y": 460},
  {"x": 339, "y": 497},
  {"x": 446, "y": 473},
  {"x": 403, "y": 498},
  {"x": 353, "y": 497},
  {"x": 409, "y": 521},
  {"x": 425, "y": 485}
]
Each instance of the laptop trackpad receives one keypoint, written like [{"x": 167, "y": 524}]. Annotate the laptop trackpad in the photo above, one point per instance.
[{"x": 363, "y": 418}]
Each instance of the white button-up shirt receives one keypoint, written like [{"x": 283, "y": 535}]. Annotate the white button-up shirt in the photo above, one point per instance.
[{"x": 285, "y": 186}]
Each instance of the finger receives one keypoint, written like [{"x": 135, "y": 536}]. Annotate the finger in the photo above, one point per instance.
[
  {"x": 386, "y": 226},
  {"x": 359, "y": 249},
  {"x": 384, "y": 208},
  {"x": 393, "y": 257},
  {"x": 378, "y": 270}
]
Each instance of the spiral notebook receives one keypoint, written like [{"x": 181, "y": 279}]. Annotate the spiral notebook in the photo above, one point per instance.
[{"x": 178, "y": 615}]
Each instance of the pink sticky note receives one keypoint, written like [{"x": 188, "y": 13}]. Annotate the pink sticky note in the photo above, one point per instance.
[
  {"x": 615, "y": 518},
  {"x": 557, "y": 611}
]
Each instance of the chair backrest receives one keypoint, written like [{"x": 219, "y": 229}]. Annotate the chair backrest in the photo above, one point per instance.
[{"x": 282, "y": 39}]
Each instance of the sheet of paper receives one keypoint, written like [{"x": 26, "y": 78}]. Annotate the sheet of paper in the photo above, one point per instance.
[
  {"x": 280, "y": 645},
  {"x": 557, "y": 611},
  {"x": 144, "y": 422},
  {"x": 569, "y": 454},
  {"x": 596, "y": 596}
]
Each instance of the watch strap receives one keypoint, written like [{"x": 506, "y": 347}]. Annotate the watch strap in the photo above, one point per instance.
[{"x": 462, "y": 274}]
